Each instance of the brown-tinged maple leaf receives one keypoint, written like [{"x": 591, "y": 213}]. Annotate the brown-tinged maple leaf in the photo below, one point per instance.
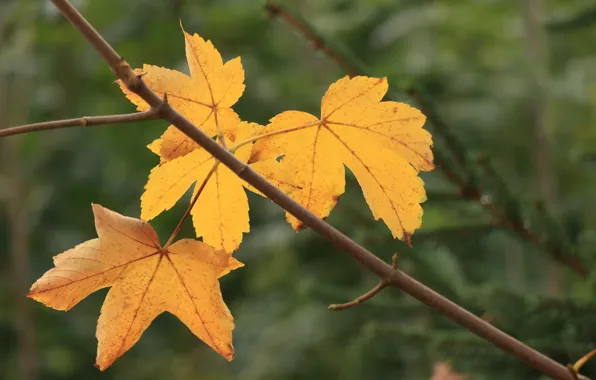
[
  {"x": 220, "y": 214},
  {"x": 146, "y": 280},
  {"x": 381, "y": 142}
]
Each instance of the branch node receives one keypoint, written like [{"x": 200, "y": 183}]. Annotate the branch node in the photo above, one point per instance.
[
  {"x": 572, "y": 372},
  {"x": 241, "y": 170},
  {"x": 84, "y": 121},
  {"x": 487, "y": 317},
  {"x": 163, "y": 108},
  {"x": 130, "y": 78},
  {"x": 394, "y": 261},
  {"x": 574, "y": 368},
  {"x": 124, "y": 64}
]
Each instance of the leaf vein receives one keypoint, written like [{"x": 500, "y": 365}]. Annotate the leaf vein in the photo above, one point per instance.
[{"x": 192, "y": 302}]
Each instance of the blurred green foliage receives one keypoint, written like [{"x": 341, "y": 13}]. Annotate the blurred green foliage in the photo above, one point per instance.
[{"x": 468, "y": 55}]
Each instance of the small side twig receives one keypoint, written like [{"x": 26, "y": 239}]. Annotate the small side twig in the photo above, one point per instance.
[
  {"x": 85, "y": 121},
  {"x": 384, "y": 282},
  {"x": 574, "y": 368}
]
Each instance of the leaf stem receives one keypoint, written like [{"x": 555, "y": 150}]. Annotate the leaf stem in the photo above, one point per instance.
[
  {"x": 274, "y": 133},
  {"x": 192, "y": 203},
  {"x": 85, "y": 121}
]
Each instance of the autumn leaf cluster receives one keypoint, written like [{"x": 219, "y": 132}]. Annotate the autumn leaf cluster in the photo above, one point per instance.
[{"x": 381, "y": 142}]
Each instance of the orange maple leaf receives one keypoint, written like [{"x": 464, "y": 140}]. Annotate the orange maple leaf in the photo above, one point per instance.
[
  {"x": 382, "y": 143},
  {"x": 146, "y": 280}
]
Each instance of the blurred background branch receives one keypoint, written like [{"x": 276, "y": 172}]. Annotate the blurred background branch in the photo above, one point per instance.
[
  {"x": 14, "y": 94},
  {"x": 582, "y": 19}
]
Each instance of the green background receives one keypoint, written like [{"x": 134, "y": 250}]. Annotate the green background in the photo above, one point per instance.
[{"x": 494, "y": 77}]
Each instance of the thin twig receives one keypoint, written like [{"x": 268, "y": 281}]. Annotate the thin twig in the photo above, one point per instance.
[
  {"x": 397, "y": 278},
  {"x": 468, "y": 189},
  {"x": 317, "y": 42},
  {"x": 192, "y": 204},
  {"x": 368, "y": 295},
  {"x": 85, "y": 121},
  {"x": 357, "y": 301}
]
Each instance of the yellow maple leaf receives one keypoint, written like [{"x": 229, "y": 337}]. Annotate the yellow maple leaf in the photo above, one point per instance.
[
  {"x": 220, "y": 214},
  {"x": 382, "y": 143},
  {"x": 146, "y": 280},
  {"x": 204, "y": 97}
]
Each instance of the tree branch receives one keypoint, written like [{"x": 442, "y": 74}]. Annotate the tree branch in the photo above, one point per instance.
[
  {"x": 468, "y": 188},
  {"x": 85, "y": 121},
  {"x": 367, "y": 259}
]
